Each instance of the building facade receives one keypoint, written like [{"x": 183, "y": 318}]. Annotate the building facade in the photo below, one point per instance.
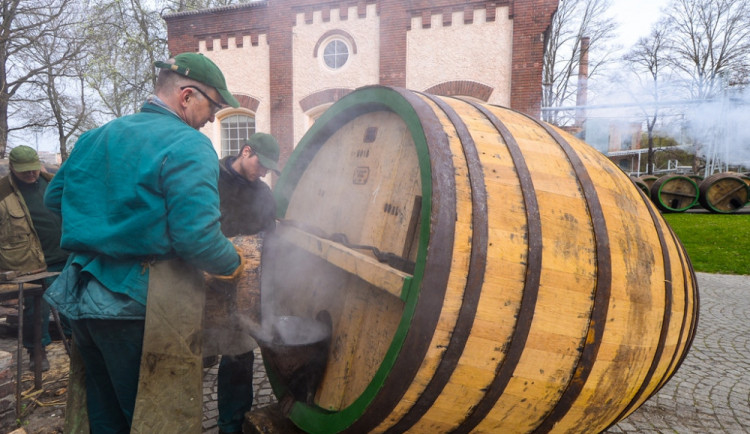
[{"x": 287, "y": 61}]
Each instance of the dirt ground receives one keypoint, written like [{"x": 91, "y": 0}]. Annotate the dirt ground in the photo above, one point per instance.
[{"x": 43, "y": 411}]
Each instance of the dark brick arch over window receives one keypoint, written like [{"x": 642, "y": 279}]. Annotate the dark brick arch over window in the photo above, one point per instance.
[
  {"x": 247, "y": 102},
  {"x": 336, "y": 32},
  {"x": 322, "y": 97},
  {"x": 462, "y": 87}
]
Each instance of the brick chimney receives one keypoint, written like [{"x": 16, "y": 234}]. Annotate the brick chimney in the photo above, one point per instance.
[{"x": 583, "y": 76}]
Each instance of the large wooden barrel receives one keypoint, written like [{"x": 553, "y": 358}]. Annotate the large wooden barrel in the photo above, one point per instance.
[
  {"x": 674, "y": 193},
  {"x": 483, "y": 272},
  {"x": 724, "y": 193}
]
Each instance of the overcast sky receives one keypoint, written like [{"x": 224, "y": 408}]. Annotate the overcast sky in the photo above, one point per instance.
[{"x": 636, "y": 18}]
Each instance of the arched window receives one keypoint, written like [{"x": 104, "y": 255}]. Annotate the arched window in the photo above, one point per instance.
[
  {"x": 336, "y": 53},
  {"x": 334, "y": 49},
  {"x": 235, "y": 129}
]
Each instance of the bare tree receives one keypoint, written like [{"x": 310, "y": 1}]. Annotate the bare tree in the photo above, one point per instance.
[
  {"x": 710, "y": 43},
  {"x": 24, "y": 22},
  {"x": 648, "y": 60},
  {"x": 58, "y": 95},
  {"x": 574, "y": 20},
  {"x": 126, "y": 38},
  {"x": 192, "y": 5},
  {"x": 45, "y": 83},
  {"x": 129, "y": 36},
  {"x": 66, "y": 108}
]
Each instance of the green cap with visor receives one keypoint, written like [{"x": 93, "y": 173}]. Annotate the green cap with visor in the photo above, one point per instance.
[
  {"x": 266, "y": 148},
  {"x": 23, "y": 159},
  {"x": 200, "y": 68}
]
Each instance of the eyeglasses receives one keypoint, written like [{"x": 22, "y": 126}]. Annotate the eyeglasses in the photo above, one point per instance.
[{"x": 215, "y": 104}]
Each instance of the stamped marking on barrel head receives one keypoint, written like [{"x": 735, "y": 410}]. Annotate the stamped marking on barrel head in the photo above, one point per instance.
[
  {"x": 391, "y": 209},
  {"x": 361, "y": 174},
  {"x": 370, "y": 134}
]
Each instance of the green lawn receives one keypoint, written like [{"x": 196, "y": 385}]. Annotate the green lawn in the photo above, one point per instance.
[{"x": 715, "y": 243}]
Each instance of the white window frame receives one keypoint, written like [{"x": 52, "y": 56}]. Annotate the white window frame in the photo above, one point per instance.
[{"x": 232, "y": 145}]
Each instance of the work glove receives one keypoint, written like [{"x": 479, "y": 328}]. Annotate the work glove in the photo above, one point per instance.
[{"x": 232, "y": 278}]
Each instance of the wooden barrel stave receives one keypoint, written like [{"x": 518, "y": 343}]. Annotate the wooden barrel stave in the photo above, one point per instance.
[
  {"x": 689, "y": 291},
  {"x": 550, "y": 185},
  {"x": 510, "y": 371},
  {"x": 464, "y": 245},
  {"x": 505, "y": 306},
  {"x": 681, "y": 295},
  {"x": 613, "y": 348}
]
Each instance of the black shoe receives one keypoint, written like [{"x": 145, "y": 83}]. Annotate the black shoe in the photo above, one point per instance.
[{"x": 45, "y": 362}]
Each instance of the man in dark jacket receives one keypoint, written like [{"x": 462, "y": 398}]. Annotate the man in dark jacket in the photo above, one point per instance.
[
  {"x": 247, "y": 208},
  {"x": 29, "y": 234}
]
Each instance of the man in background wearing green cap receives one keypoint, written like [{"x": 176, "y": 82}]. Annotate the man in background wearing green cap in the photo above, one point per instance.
[
  {"x": 140, "y": 190},
  {"x": 29, "y": 234},
  {"x": 247, "y": 208}
]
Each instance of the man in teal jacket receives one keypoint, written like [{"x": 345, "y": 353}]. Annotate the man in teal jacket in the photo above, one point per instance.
[{"x": 141, "y": 188}]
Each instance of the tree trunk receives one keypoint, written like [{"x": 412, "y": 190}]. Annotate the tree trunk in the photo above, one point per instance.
[{"x": 3, "y": 124}]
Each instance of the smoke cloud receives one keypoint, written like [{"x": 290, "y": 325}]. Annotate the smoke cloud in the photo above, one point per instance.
[{"x": 716, "y": 129}]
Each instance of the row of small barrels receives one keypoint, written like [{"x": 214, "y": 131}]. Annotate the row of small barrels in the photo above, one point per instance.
[{"x": 722, "y": 193}]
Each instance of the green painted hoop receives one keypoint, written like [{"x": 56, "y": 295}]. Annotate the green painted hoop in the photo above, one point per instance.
[
  {"x": 314, "y": 419},
  {"x": 666, "y": 207}
]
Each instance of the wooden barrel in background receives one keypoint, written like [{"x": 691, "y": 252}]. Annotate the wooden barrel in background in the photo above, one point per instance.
[
  {"x": 483, "y": 271},
  {"x": 674, "y": 193},
  {"x": 642, "y": 186},
  {"x": 697, "y": 178},
  {"x": 724, "y": 193},
  {"x": 746, "y": 177},
  {"x": 648, "y": 179}
]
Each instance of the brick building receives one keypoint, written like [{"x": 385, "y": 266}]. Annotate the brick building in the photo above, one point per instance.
[{"x": 288, "y": 60}]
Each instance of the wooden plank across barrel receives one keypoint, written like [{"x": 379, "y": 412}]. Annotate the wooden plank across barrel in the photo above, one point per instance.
[
  {"x": 482, "y": 271},
  {"x": 365, "y": 267}
]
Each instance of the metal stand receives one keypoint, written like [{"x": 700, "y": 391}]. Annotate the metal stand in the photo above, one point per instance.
[{"x": 37, "y": 290}]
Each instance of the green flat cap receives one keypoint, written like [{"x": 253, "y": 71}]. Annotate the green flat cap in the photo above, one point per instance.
[
  {"x": 23, "y": 159},
  {"x": 200, "y": 68},
  {"x": 267, "y": 150}
]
